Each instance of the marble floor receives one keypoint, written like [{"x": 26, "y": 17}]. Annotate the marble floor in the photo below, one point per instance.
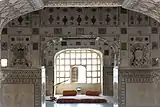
[
  {"x": 51, "y": 104},
  {"x": 109, "y": 104}
]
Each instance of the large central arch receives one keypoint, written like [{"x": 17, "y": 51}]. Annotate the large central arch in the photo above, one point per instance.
[
  {"x": 90, "y": 59},
  {"x": 114, "y": 46}
]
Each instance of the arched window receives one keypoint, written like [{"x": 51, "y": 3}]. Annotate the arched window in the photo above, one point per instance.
[
  {"x": 76, "y": 74},
  {"x": 78, "y": 65}
]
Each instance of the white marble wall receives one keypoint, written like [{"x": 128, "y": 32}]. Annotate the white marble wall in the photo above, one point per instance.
[
  {"x": 17, "y": 95},
  {"x": 139, "y": 88},
  {"x": 142, "y": 95},
  {"x": 20, "y": 88}
]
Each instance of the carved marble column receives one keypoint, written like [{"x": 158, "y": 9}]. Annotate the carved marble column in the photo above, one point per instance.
[
  {"x": 108, "y": 81},
  {"x": 1, "y": 76},
  {"x": 116, "y": 49}
]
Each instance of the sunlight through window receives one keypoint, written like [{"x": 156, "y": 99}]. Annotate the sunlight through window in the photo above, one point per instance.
[
  {"x": 82, "y": 71},
  {"x": 3, "y": 62},
  {"x": 87, "y": 64}
]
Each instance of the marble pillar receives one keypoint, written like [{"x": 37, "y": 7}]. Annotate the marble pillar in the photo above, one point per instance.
[{"x": 1, "y": 75}]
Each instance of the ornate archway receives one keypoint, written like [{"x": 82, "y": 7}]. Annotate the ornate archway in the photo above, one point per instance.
[
  {"x": 80, "y": 66},
  {"x": 113, "y": 45}
]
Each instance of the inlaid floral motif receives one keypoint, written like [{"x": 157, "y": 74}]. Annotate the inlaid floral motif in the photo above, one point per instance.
[
  {"x": 139, "y": 55},
  {"x": 20, "y": 52}
]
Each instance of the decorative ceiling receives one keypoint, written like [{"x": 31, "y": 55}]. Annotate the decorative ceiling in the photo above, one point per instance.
[
  {"x": 148, "y": 7},
  {"x": 10, "y": 9}
]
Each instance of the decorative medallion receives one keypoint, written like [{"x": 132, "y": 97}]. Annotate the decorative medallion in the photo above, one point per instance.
[
  {"x": 20, "y": 52},
  {"x": 139, "y": 55}
]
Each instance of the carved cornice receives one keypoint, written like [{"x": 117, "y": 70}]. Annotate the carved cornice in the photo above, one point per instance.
[
  {"x": 148, "y": 7},
  {"x": 81, "y": 3}
]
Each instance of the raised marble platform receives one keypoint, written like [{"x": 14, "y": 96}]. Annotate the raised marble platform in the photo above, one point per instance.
[{"x": 20, "y": 88}]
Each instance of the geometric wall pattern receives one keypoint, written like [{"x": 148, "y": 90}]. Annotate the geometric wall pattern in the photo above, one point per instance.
[{"x": 35, "y": 29}]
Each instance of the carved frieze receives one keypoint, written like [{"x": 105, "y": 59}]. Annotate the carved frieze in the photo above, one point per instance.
[
  {"x": 80, "y": 16},
  {"x": 81, "y": 3}
]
